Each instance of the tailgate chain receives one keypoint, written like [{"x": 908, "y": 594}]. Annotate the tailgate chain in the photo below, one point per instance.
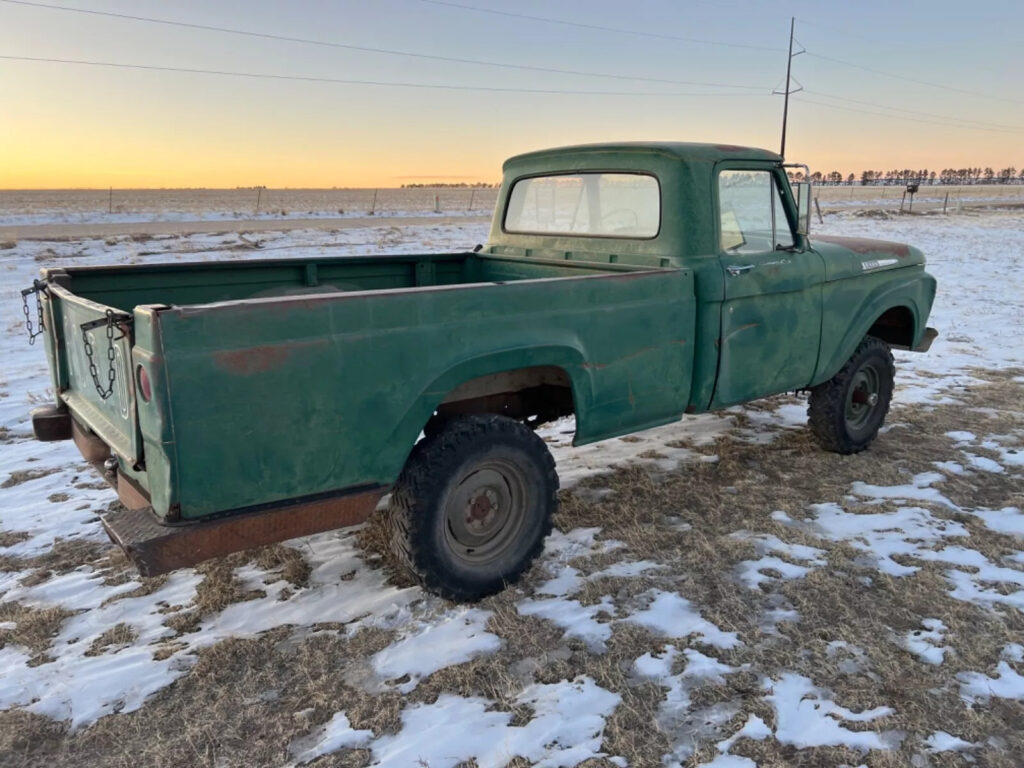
[
  {"x": 109, "y": 322},
  {"x": 38, "y": 286}
]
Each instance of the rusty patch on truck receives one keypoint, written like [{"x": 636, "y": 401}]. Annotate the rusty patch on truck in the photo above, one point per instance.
[
  {"x": 155, "y": 548},
  {"x": 246, "y": 362},
  {"x": 259, "y": 359},
  {"x": 867, "y": 245}
]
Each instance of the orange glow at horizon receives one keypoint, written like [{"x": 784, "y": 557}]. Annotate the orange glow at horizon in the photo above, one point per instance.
[{"x": 76, "y": 126}]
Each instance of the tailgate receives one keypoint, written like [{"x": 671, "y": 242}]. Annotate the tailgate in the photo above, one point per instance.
[{"x": 94, "y": 366}]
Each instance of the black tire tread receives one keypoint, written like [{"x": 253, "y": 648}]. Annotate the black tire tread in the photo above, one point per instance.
[
  {"x": 826, "y": 405},
  {"x": 420, "y": 480}
]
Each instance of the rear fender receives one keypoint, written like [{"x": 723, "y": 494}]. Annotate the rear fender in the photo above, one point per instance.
[{"x": 399, "y": 443}]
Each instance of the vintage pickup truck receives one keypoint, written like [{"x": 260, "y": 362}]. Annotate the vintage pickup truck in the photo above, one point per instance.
[{"x": 238, "y": 404}]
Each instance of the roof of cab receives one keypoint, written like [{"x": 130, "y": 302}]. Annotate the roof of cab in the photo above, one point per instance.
[{"x": 680, "y": 150}]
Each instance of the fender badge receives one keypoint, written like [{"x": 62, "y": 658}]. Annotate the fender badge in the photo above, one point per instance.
[{"x": 877, "y": 264}]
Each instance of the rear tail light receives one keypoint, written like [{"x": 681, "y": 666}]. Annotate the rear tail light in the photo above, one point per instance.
[{"x": 145, "y": 389}]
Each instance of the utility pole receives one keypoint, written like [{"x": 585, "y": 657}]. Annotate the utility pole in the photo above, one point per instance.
[{"x": 789, "y": 77}]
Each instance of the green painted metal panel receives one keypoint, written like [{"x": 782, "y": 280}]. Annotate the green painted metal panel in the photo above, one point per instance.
[
  {"x": 112, "y": 418},
  {"x": 272, "y": 399}
]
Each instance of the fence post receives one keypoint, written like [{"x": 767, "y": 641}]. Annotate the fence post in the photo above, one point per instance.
[
  {"x": 373, "y": 205},
  {"x": 472, "y": 195},
  {"x": 259, "y": 195},
  {"x": 818, "y": 208},
  {"x": 944, "y": 203},
  {"x": 437, "y": 203},
  {"x": 110, "y": 201}
]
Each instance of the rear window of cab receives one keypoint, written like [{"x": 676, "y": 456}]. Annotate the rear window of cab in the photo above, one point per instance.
[{"x": 597, "y": 204}]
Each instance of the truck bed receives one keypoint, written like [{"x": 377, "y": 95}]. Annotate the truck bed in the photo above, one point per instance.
[{"x": 296, "y": 378}]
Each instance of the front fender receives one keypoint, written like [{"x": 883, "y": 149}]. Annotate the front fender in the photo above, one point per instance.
[{"x": 841, "y": 335}]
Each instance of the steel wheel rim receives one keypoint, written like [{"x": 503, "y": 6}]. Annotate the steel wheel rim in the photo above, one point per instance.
[
  {"x": 863, "y": 397},
  {"x": 484, "y": 512}
]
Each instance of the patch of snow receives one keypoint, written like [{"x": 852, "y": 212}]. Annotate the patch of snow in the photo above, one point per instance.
[
  {"x": 567, "y": 728},
  {"x": 926, "y": 643},
  {"x": 751, "y": 572},
  {"x": 567, "y": 582},
  {"x": 940, "y": 741},
  {"x": 1013, "y": 652},
  {"x": 754, "y": 728},
  {"x": 1007, "y": 684},
  {"x": 919, "y": 490},
  {"x": 984, "y": 463},
  {"x": 730, "y": 761},
  {"x": 672, "y": 615},
  {"x": 883, "y": 535},
  {"x": 330, "y": 737},
  {"x": 806, "y": 716},
  {"x": 1007, "y": 520},
  {"x": 453, "y": 638},
  {"x": 962, "y": 437},
  {"x": 577, "y": 620}
]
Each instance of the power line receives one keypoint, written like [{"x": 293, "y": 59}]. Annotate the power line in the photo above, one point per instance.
[
  {"x": 368, "y": 49},
  {"x": 901, "y": 117},
  {"x": 905, "y": 79},
  {"x": 618, "y": 30},
  {"x": 343, "y": 81},
  {"x": 981, "y": 123}
]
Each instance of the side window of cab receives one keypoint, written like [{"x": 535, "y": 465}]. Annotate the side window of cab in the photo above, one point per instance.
[{"x": 751, "y": 216}]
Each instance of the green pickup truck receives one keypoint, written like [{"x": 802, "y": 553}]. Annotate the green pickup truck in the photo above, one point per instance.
[{"x": 237, "y": 404}]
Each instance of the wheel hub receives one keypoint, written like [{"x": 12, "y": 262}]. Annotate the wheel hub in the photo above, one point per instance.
[
  {"x": 485, "y": 511},
  {"x": 482, "y": 510},
  {"x": 863, "y": 397}
]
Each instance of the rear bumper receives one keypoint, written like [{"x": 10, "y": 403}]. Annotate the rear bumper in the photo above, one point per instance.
[
  {"x": 51, "y": 422},
  {"x": 55, "y": 422},
  {"x": 157, "y": 548}
]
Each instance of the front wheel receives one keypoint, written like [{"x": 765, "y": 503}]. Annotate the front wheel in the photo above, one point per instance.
[
  {"x": 472, "y": 506},
  {"x": 846, "y": 412}
]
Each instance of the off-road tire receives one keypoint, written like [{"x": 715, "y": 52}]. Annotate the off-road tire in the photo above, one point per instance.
[
  {"x": 443, "y": 470},
  {"x": 828, "y": 411}
]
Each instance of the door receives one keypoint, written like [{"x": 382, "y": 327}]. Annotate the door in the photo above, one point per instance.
[{"x": 771, "y": 309}]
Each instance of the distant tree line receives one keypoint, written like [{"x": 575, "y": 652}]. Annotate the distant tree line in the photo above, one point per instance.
[
  {"x": 458, "y": 185},
  {"x": 1008, "y": 175}
]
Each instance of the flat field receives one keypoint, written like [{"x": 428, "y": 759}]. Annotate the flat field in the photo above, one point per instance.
[
  {"x": 26, "y": 208},
  {"x": 716, "y": 592}
]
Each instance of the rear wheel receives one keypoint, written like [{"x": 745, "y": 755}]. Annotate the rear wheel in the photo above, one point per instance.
[
  {"x": 472, "y": 506},
  {"x": 846, "y": 412}
]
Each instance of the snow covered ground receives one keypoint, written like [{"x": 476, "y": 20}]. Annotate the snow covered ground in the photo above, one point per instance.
[{"x": 717, "y": 592}]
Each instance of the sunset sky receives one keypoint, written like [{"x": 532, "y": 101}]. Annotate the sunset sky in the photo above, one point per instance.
[{"x": 68, "y": 125}]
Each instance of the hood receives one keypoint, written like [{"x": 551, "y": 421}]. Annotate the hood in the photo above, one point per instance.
[{"x": 851, "y": 256}]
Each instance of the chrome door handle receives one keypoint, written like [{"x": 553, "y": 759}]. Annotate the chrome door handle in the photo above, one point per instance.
[{"x": 739, "y": 269}]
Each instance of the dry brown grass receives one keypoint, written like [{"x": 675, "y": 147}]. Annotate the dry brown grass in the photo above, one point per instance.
[
  {"x": 117, "y": 637},
  {"x": 10, "y": 538},
  {"x": 34, "y": 628},
  {"x": 245, "y": 701},
  {"x": 20, "y": 476}
]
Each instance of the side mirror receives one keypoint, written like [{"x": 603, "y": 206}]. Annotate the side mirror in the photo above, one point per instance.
[{"x": 803, "y": 208}]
